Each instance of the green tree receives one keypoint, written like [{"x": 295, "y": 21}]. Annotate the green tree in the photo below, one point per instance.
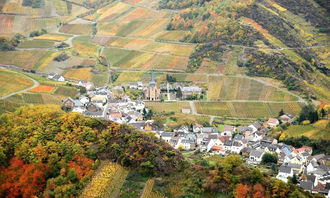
[{"x": 269, "y": 158}]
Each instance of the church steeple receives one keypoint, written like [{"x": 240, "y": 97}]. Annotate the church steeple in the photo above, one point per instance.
[{"x": 152, "y": 82}]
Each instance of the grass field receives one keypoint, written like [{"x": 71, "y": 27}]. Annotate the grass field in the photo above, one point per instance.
[
  {"x": 246, "y": 109},
  {"x": 11, "y": 82},
  {"x": 237, "y": 88},
  {"x": 36, "y": 44},
  {"x": 25, "y": 59},
  {"x": 133, "y": 185},
  {"x": 106, "y": 182},
  {"x": 318, "y": 130},
  {"x": 147, "y": 191}
]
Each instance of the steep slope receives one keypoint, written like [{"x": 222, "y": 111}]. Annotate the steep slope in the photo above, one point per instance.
[
  {"x": 45, "y": 151},
  {"x": 286, "y": 40}
]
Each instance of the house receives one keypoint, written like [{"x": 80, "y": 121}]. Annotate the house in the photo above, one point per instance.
[
  {"x": 218, "y": 150},
  {"x": 272, "y": 122},
  {"x": 255, "y": 126},
  {"x": 84, "y": 100},
  {"x": 286, "y": 118},
  {"x": 84, "y": 83},
  {"x": 307, "y": 149},
  {"x": 167, "y": 136},
  {"x": 187, "y": 144},
  {"x": 56, "y": 77},
  {"x": 255, "y": 156},
  {"x": 197, "y": 128},
  {"x": 307, "y": 185},
  {"x": 190, "y": 91},
  {"x": 186, "y": 111},
  {"x": 70, "y": 103},
  {"x": 236, "y": 147},
  {"x": 226, "y": 134},
  {"x": 284, "y": 173},
  {"x": 209, "y": 130}
]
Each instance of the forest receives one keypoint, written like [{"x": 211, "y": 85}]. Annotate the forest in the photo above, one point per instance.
[{"x": 60, "y": 151}]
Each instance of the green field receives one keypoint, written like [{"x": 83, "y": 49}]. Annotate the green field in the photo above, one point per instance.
[
  {"x": 36, "y": 44},
  {"x": 246, "y": 109},
  {"x": 12, "y": 81}
]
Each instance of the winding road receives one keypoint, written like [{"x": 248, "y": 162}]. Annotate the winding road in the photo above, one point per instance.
[{"x": 36, "y": 84}]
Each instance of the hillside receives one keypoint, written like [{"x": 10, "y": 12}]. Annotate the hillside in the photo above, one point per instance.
[
  {"x": 45, "y": 152},
  {"x": 286, "y": 40},
  {"x": 60, "y": 151}
]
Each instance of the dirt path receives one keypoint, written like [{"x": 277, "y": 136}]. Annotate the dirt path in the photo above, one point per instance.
[
  {"x": 193, "y": 107},
  {"x": 36, "y": 84}
]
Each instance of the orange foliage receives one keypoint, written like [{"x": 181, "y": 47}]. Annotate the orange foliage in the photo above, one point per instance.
[
  {"x": 23, "y": 180},
  {"x": 242, "y": 191},
  {"x": 43, "y": 88},
  {"x": 82, "y": 165},
  {"x": 258, "y": 191}
]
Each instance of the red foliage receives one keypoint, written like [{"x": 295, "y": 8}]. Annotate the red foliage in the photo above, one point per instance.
[
  {"x": 23, "y": 180},
  {"x": 82, "y": 165},
  {"x": 242, "y": 191}
]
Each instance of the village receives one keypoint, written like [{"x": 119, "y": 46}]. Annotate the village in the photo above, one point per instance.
[{"x": 252, "y": 142}]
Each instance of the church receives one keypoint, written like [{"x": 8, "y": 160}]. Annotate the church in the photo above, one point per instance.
[{"x": 152, "y": 93}]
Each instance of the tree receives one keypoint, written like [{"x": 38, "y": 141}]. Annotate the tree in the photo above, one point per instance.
[
  {"x": 308, "y": 112},
  {"x": 269, "y": 158},
  {"x": 242, "y": 191},
  {"x": 281, "y": 113},
  {"x": 179, "y": 93}
]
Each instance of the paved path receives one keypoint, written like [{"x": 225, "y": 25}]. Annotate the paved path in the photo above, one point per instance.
[{"x": 36, "y": 84}]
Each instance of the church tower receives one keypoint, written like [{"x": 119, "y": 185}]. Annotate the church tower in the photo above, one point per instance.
[{"x": 152, "y": 93}]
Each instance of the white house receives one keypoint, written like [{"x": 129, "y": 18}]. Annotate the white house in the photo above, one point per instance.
[
  {"x": 255, "y": 156},
  {"x": 284, "y": 173},
  {"x": 273, "y": 122},
  {"x": 167, "y": 136}
]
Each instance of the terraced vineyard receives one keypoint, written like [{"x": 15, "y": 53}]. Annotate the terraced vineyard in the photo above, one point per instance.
[
  {"x": 233, "y": 88},
  {"x": 11, "y": 82},
  {"x": 247, "y": 109},
  {"x": 106, "y": 182}
]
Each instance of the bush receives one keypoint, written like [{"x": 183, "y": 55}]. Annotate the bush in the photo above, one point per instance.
[{"x": 61, "y": 57}]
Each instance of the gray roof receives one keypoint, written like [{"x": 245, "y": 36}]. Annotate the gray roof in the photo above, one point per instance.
[
  {"x": 167, "y": 134},
  {"x": 191, "y": 89},
  {"x": 285, "y": 169},
  {"x": 306, "y": 185},
  {"x": 311, "y": 178},
  {"x": 237, "y": 144},
  {"x": 238, "y": 137},
  {"x": 256, "y": 153},
  {"x": 228, "y": 143},
  {"x": 210, "y": 130}
]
